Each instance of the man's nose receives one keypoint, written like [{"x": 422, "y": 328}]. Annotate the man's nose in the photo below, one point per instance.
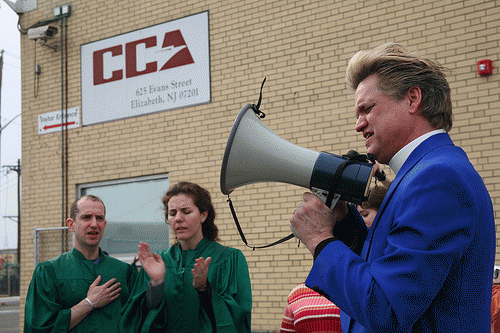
[
  {"x": 93, "y": 221},
  {"x": 360, "y": 123}
]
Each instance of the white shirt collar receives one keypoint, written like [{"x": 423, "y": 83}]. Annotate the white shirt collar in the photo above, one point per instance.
[{"x": 399, "y": 159}]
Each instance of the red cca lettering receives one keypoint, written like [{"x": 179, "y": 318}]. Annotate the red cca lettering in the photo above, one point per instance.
[{"x": 171, "y": 39}]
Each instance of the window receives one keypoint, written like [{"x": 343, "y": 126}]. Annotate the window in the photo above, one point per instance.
[{"x": 134, "y": 213}]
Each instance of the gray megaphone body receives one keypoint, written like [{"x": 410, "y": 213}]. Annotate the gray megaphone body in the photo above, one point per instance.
[{"x": 256, "y": 154}]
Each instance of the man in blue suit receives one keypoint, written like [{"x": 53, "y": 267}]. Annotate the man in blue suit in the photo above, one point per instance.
[{"x": 427, "y": 261}]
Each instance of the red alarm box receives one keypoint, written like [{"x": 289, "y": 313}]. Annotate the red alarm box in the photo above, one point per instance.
[{"x": 484, "y": 67}]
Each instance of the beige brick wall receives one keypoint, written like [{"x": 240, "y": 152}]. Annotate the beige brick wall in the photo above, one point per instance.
[{"x": 302, "y": 47}]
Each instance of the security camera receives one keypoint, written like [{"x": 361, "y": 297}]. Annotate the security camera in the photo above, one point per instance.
[{"x": 44, "y": 32}]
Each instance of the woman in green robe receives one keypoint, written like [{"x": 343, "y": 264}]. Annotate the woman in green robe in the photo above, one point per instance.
[{"x": 197, "y": 285}]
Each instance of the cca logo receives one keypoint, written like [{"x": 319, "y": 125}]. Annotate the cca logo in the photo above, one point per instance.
[{"x": 172, "y": 41}]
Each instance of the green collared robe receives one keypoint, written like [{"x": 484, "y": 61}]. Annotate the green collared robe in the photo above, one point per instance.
[
  {"x": 60, "y": 283},
  {"x": 180, "y": 310}
]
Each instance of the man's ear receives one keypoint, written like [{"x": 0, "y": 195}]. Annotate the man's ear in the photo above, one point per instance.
[
  {"x": 69, "y": 223},
  {"x": 414, "y": 95}
]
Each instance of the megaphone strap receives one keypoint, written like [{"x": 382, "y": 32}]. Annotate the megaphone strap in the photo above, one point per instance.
[
  {"x": 256, "y": 108},
  {"x": 235, "y": 218},
  {"x": 334, "y": 183},
  {"x": 351, "y": 157},
  {"x": 354, "y": 155}
]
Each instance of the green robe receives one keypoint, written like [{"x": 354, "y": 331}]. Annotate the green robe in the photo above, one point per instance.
[
  {"x": 60, "y": 283},
  {"x": 180, "y": 310}
]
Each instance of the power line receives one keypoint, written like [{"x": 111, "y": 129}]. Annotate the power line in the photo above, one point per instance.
[{"x": 13, "y": 55}]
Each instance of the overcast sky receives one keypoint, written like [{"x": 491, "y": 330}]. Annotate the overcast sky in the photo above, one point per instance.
[{"x": 11, "y": 135}]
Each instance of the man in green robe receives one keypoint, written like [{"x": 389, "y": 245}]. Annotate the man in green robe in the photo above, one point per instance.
[{"x": 82, "y": 290}]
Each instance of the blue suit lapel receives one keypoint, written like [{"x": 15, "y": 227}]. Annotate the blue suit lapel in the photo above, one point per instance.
[{"x": 425, "y": 147}]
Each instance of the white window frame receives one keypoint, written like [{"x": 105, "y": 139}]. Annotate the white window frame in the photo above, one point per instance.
[{"x": 157, "y": 216}]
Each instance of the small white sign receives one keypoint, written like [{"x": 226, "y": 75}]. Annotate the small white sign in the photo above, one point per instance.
[
  {"x": 162, "y": 67},
  {"x": 52, "y": 121}
]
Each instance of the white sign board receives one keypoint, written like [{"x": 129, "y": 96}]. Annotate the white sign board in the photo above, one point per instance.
[
  {"x": 163, "y": 67},
  {"x": 52, "y": 121}
]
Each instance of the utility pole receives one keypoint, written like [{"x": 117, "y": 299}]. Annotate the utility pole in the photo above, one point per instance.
[
  {"x": 17, "y": 168},
  {"x": 1, "y": 128},
  {"x": 14, "y": 168}
]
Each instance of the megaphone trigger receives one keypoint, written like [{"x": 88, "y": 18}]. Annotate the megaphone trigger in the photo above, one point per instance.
[{"x": 323, "y": 195}]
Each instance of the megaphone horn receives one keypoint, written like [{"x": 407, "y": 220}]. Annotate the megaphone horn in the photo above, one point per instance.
[{"x": 256, "y": 154}]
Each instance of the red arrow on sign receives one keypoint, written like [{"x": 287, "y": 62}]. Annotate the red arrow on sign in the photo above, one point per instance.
[{"x": 46, "y": 127}]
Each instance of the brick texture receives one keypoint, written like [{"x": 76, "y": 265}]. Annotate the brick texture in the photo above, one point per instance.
[{"x": 302, "y": 47}]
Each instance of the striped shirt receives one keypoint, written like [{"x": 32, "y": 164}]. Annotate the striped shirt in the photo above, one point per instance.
[{"x": 308, "y": 311}]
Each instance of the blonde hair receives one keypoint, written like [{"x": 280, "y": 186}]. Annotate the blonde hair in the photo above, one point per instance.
[{"x": 399, "y": 70}]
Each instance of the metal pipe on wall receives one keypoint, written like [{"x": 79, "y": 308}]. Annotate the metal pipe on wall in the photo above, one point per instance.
[
  {"x": 65, "y": 161},
  {"x": 61, "y": 25}
]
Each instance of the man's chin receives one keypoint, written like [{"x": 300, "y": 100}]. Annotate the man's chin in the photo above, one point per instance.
[
  {"x": 93, "y": 241},
  {"x": 377, "y": 155},
  {"x": 371, "y": 150}
]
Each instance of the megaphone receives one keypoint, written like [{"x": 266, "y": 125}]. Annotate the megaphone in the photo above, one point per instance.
[{"x": 256, "y": 154}]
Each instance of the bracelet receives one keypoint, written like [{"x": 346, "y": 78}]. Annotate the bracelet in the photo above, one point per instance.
[{"x": 90, "y": 303}]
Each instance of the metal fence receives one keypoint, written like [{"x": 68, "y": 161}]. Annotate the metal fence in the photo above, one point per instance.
[
  {"x": 51, "y": 242},
  {"x": 10, "y": 280}
]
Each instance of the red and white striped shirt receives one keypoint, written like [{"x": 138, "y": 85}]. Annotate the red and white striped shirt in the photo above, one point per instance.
[{"x": 308, "y": 311}]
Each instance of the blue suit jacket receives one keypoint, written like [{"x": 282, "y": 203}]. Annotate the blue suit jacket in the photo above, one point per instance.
[{"x": 427, "y": 262}]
